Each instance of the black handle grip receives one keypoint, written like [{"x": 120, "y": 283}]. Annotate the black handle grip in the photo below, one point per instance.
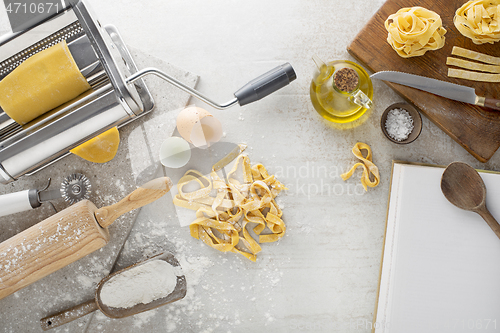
[{"x": 266, "y": 84}]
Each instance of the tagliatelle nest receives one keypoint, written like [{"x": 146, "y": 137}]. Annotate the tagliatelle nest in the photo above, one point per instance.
[
  {"x": 479, "y": 20},
  {"x": 221, "y": 220},
  {"x": 414, "y": 31}
]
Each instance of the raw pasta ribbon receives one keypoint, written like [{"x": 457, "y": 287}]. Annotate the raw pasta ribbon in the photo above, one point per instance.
[
  {"x": 414, "y": 31},
  {"x": 479, "y": 20},
  {"x": 221, "y": 220},
  {"x": 367, "y": 165},
  {"x": 487, "y": 63}
]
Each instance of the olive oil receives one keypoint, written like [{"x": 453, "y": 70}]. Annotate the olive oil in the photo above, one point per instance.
[{"x": 331, "y": 102}]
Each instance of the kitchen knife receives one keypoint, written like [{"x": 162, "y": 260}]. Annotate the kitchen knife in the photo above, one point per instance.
[{"x": 441, "y": 88}]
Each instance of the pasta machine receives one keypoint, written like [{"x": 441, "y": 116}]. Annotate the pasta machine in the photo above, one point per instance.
[{"x": 118, "y": 95}]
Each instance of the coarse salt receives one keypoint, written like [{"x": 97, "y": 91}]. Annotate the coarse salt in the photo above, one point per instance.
[{"x": 399, "y": 124}]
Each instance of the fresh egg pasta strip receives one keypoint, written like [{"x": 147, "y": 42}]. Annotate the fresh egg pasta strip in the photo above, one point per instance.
[
  {"x": 367, "y": 165},
  {"x": 469, "y": 54},
  {"x": 472, "y": 65},
  {"x": 222, "y": 222},
  {"x": 222, "y": 191},
  {"x": 249, "y": 242},
  {"x": 200, "y": 198},
  {"x": 229, "y": 157},
  {"x": 256, "y": 217},
  {"x": 201, "y": 228},
  {"x": 214, "y": 203},
  {"x": 473, "y": 76},
  {"x": 246, "y": 169},
  {"x": 259, "y": 172},
  {"x": 414, "y": 31},
  {"x": 204, "y": 190},
  {"x": 277, "y": 226},
  {"x": 479, "y": 20}
]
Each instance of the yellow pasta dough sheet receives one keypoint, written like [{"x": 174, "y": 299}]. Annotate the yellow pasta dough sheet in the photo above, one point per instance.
[{"x": 43, "y": 82}]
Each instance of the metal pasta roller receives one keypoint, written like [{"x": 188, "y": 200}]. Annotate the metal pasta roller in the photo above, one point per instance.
[
  {"x": 73, "y": 188},
  {"x": 118, "y": 94}
]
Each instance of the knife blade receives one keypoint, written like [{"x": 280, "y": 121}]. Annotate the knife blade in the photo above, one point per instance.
[{"x": 441, "y": 88}]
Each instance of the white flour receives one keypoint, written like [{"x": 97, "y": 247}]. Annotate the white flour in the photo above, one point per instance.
[{"x": 141, "y": 284}]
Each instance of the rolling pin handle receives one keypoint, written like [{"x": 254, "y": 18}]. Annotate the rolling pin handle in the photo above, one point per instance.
[{"x": 142, "y": 196}]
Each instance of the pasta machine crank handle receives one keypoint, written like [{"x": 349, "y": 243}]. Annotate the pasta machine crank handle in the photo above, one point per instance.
[{"x": 254, "y": 90}]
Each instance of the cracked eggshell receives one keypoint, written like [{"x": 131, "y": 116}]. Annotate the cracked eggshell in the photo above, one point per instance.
[
  {"x": 175, "y": 152},
  {"x": 198, "y": 126}
]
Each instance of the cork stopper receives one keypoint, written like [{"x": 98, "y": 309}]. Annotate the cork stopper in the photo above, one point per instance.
[{"x": 346, "y": 80}]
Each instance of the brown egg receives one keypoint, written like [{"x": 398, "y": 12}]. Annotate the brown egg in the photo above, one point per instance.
[{"x": 198, "y": 126}]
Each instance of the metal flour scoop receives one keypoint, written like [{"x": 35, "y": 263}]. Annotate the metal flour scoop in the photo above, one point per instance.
[{"x": 178, "y": 292}]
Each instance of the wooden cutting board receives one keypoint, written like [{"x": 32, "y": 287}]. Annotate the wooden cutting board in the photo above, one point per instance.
[{"x": 476, "y": 129}]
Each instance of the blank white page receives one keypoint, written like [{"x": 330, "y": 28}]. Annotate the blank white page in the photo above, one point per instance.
[{"x": 441, "y": 270}]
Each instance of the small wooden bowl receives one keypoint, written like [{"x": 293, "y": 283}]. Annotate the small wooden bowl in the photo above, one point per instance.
[{"x": 415, "y": 115}]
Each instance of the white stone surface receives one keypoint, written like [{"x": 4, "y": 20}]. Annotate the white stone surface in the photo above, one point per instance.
[{"x": 323, "y": 275}]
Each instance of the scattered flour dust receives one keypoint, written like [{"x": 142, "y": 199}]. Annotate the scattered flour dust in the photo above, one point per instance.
[
  {"x": 193, "y": 268},
  {"x": 120, "y": 185},
  {"x": 144, "y": 317},
  {"x": 143, "y": 284},
  {"x": 171, "y": 326}
]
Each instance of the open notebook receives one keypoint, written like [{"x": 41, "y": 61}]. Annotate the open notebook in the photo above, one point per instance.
[{"x": 441, "y": 265}]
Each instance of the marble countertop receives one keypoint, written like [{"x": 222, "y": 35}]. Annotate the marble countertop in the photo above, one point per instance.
[{"x": 323, "y": 275}]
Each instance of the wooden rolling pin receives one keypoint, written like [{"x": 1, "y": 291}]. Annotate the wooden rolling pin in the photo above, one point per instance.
[{"x": 66, "y": 237}]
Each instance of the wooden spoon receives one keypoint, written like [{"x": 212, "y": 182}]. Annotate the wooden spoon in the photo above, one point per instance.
[{"x": 463, "y": 187}]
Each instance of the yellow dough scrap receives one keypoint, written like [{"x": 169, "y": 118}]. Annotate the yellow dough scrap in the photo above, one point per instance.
[
  {"x": 221, "y": 221},
  {"x": 43, "y": 82},
  {"x": 100, "y": 149},
  {"x": 366, "y": 163},
  {"x": 414, "y": 31}
]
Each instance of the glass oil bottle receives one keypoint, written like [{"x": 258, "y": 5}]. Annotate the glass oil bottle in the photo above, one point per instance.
[{"x": 341, "y": 91}]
